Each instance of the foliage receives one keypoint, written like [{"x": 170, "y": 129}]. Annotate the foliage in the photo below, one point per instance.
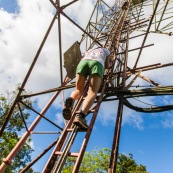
[
  {"x": 98, "y": 161},
  {"x": 126, "y": 164},
  {"x": 12, "y": 134}
]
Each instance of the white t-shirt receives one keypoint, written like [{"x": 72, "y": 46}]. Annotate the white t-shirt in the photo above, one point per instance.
[{"x": 98, "y": 54}]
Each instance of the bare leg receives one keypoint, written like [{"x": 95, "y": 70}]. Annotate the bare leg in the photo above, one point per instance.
[
  {"x": 94, "y": 86},
  {"x": 80, "y": 82},
  {"x": 67, "y": 110}
]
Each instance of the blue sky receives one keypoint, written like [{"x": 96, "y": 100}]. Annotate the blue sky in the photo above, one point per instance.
[
  {"x": 9, "y": 5},
  {"x": 149, "y": 137}
]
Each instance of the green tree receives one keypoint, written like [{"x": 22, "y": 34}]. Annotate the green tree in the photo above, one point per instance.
[
  {"x": 126, "y": 164},
  {"x": 98, "y": 161},
  {"x": 12, "y": 134}
]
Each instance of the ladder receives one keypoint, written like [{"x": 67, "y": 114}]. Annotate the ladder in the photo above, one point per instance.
[
  {"x": 65, "y": 141},
  {"x": 63, "y": 147}
]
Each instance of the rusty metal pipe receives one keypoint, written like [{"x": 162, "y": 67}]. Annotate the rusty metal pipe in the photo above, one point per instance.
[{"x": 60, "y": 41}]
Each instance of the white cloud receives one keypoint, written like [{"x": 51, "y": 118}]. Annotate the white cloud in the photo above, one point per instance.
[
  {"x": 133, "y": 118},
  {"x": 19, "y": 39},
  {"x": 21, "y": 34},
  {"x": 28, "y": 141},
  {"x": 31, "y": 144},
  {"x": 59, "y": 119},
  {"x": 168, "y": 121},
  {"x": 108, "y": 114}
]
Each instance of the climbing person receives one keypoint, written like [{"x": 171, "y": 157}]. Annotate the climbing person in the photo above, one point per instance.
[{"x": 92, "y": 66}]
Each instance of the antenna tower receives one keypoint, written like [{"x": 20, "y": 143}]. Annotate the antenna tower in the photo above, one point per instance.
[{"x": 114, "y": 27}]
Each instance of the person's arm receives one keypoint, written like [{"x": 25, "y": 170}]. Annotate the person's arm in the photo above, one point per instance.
[{"x": 107, "y": 62}]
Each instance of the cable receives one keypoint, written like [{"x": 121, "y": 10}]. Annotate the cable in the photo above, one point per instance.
[{"x": 145, "y": 102}]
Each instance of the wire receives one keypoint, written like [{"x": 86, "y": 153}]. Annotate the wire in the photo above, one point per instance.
[
  {"x": 145, "y": 102},
  {"x": 142, "y": 86}
]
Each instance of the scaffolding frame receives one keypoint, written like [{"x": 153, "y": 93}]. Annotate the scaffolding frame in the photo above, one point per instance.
[{"x": 111, "y": 31}]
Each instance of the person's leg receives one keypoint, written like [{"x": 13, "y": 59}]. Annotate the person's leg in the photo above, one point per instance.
[
  {"x": 80, "y": 82},
  {"x": 94, "y": 86}
]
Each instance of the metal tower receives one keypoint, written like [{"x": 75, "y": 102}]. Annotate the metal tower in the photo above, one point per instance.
[{"x": 113, "y": 27}]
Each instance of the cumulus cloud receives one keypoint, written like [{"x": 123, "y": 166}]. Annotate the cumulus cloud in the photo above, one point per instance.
[
  {"x": 108, "y": 114},
  {"x": 31, "y": 144},
  {"x": 21, "y": 35},
  {"x": 59, "y": 119},
  {"x": 168, "y": 121},
  {"x": 19, "y": 39},
  {"x": 22, "y": 32}
]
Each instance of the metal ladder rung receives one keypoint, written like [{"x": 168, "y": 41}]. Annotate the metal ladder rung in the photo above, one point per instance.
[
  {"x": 74, "y": 154},
  {"x": 69, "y": 129},
  {"x": 70, "y": 154}
]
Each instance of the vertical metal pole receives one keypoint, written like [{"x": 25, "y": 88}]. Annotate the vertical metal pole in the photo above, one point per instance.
[
  {"x": 154, "y": 4},
  {"x": 59, "y": 35},
  {"x": 115, "y": 146},
  {"x": 117, "y": 131}
]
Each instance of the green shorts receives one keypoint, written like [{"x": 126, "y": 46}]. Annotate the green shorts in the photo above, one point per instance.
[{"x": 88, "y": 67}]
